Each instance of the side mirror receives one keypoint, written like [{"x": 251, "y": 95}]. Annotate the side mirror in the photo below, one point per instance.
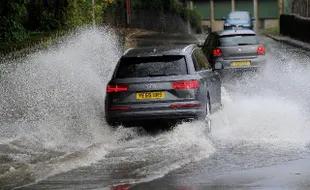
[
  {"x": 218, "y": 66},
  {"x": 253, "y": 18},
  {"x": 223, "y": 18}
]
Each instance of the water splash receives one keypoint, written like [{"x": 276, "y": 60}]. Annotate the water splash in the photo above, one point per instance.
[{"x": 57, "y": 96}]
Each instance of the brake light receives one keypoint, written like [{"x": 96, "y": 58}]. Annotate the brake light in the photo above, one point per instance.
[
  {"x": 261, "y": 50},
  {"x": 187, "y": 84},
  {"x": 119, "y": 108},
  {"x": 117, "y": 87},
  {"x": 121, "y": 187},
  {"x": 217, "y": 52},
  {"x": 174, "y": 106}
]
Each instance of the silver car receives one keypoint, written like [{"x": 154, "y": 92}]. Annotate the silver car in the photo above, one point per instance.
[
  {"x": 162, "y": 83},
  {"x": 235, "y": 49}
]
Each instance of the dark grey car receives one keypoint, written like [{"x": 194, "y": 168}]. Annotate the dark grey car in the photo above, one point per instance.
[
  {"x": 162, "y": 83},
  {"x": 235, "y": 49}
]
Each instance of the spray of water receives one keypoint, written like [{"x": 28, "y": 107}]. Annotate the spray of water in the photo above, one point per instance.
[
  {"x": 271, "y": 107},
  {"x": 52, "y": 102},
  {"x": 56, "y": 96}
]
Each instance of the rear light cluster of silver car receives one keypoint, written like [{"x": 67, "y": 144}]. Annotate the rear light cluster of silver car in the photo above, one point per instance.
[
  {"x": 217, "y": 52},
  {"x": 261, "y": 50},
  {"x": 187, "y": 84},
  {"x": 117, "y": 88}
]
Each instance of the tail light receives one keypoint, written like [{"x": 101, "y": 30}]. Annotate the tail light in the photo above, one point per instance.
[
  {"x": 187, "y": 84},
  {"x": 120, "y": 187},
  {"x": 261, "y": 50},
  {"x": 119, "y": 108},
  {"x": 117, "y": 87},
  {"x": 174, "y": 106},
  {"x": 217, "y": 52}
]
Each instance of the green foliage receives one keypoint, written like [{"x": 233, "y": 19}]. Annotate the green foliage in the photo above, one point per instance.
[
  {"x": 273, "y": 30},
  {"x": 195, "y": 19},
  {"x": 20, "y": 18},
  {"x": 12, "y": 20},
  {"x": 157, "y": 5}
]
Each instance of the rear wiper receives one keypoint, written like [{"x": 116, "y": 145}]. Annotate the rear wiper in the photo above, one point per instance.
[
  {"x": 156, "y": 75},
  {"x": 244, "y": 44}
]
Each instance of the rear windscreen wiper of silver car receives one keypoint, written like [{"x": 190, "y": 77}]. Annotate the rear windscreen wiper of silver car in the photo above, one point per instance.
[
  {"x": 244, "y": 44},
  {"x": 157, "y": 75}
]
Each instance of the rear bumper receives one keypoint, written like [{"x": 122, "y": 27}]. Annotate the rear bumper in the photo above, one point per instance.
[
  {"x": 258, "y": 62},
  {"x": 152, "y": 115}
]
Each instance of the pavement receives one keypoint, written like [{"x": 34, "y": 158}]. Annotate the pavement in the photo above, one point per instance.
[{"x": 289, "y": 41}]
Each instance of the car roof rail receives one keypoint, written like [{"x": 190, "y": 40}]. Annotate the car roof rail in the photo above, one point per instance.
[{"x": 126, "y": 51}]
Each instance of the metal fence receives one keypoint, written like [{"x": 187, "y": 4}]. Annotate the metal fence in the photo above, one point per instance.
[
  {"x": 146, "y": 19},
  {"x": 300, "y": 7}
]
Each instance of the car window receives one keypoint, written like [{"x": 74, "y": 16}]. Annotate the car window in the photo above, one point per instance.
[
  {"x": 215, "y": 41},
  {"x": 201, "y": 60},
  {"x": 195, "y": 61},
  {"x": 151, "y": 66},
  {"x": 207, "y": 41},
  {"x": 235, "y": 40},
  {"x": 238, "y": 16},
  {"x": 205, "y": 60},
  {"x": 211, "y": 40}
]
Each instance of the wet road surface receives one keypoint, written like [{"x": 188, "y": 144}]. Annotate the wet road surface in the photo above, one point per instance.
[{"x": 259, "y": 140}]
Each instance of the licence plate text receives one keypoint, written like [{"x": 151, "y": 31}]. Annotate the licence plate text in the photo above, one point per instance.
[
  {"x": 241, "y": 63},
  {"x": 150, "y": 95}
]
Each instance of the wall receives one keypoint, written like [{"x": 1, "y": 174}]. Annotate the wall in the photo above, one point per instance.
[
  {"x": 268, "y": 11},
  {"x": 221, "y": 8},
  {"x": 245, "y": 5},
  {"x": 203, "y": 7}
]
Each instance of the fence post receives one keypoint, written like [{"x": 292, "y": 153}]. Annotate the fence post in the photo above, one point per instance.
[
  {"x": 255, "y": 8},
  {"x": 128, "y": 9}
]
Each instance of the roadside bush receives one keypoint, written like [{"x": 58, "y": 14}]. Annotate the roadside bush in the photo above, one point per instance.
[
  {"x": 21, "y": 18},
  {"x": 195, "y": 20}
]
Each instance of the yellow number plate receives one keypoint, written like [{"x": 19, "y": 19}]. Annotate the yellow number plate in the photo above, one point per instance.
[
  {"x": 241, "y": 63},
  {"x": 150, "y": 95}
]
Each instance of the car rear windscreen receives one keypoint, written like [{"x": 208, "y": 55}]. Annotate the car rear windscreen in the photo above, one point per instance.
[
  {"x": 239, "y": 16},
  {"x": 151, "y": 66},
  {"x": 235, "y": 40}
]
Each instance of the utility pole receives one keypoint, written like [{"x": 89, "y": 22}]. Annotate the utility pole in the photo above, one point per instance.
[
  {"x": 281, "y": 7},
  {"x": 212, "y": 20},
  {"x": 233, "y": 5}
]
